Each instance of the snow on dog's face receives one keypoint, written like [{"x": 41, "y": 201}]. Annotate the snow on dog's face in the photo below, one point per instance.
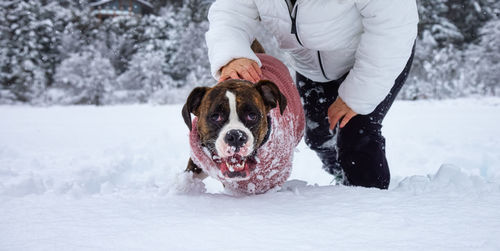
[{"x": 232, "y": 121}]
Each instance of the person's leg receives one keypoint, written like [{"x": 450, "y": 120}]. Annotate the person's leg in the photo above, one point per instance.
[
  {"x": 316, "y": 98},
  {"x": 361, "y": 144}
]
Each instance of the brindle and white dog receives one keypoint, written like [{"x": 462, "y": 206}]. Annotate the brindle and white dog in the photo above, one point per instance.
[
  {"x": 237, "y": 137},
  {"x": 232, "y": 121}
]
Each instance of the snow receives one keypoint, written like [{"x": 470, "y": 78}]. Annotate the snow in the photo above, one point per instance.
[{"x": 110, "y": 178}]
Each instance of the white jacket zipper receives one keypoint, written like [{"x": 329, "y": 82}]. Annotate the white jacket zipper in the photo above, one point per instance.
[
  {"x": 321, "y": 66},
  {"x": 292, "y": 10}
]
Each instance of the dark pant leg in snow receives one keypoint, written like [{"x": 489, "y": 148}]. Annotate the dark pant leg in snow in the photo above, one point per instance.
[
  {"x": 316, "y": 98},
  {"x": 362, "y": 146},
  {"x": 359, "y": 149}
]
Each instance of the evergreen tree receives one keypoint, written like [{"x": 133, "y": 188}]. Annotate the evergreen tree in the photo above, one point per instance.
[
  {"x": 84, "y": 78},
  {"x": 433, "y": 20},
  {"x": 30, "y": 51},
  {"x": 470, "y": 16},
  {"x": 52, "y": 49},
  {"x": 484, "y": 59},
  {"x": 22, "y": 72}
]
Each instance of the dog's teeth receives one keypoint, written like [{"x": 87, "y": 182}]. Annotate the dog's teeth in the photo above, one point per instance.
[
  {"x": 230, "y": 167},
  {"x": 240, "y": 165}
]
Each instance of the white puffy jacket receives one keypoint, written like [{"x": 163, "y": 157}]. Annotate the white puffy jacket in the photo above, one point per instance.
[{"x": 372, "y": 39}]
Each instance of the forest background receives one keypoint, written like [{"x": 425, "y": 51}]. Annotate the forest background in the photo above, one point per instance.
[{"x": 58, "y": 53}]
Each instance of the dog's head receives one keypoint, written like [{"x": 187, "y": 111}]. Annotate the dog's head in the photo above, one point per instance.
[{"x": 232, "y": 120}]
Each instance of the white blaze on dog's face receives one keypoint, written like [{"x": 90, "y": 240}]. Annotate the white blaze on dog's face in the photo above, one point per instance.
[{"x": 234, "y": 137}]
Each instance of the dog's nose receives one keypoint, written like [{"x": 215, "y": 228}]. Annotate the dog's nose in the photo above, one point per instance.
[{"x": 236, "y": 138}]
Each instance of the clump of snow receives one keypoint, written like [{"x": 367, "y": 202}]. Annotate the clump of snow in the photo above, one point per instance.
[
  {"x": 294, "y": 186},
  {"x": 187, "y": 184},
  {"x": 448, "y": 178}
]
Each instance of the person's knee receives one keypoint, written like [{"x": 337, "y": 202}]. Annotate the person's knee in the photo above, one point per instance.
[{"x": 359, "y": 133}]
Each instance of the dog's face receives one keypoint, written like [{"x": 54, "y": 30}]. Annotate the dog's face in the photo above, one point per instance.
[{"x": 232, "y": 120}]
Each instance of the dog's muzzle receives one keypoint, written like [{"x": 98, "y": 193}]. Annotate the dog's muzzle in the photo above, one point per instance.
[{"x": 236, "y": 139}]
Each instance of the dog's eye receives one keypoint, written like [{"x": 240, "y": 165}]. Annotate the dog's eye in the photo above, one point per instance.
[
  {"x": 251, "y": 116},
  {"x": 216, "y": 117}
]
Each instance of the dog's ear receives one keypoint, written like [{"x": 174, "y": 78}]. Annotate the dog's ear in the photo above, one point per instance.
[
  {"x": 192, "y": 104},
  {"x": 271, "y": 95}
]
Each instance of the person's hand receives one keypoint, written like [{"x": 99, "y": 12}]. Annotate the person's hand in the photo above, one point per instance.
[
  {"x": 337, "y": 110},
  {"x": 241, "y": 68}
]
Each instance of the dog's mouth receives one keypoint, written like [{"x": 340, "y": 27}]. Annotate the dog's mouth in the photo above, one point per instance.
[{"x": 235, "y": 167}]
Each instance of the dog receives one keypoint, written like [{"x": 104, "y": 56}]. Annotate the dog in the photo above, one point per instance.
[{"x": 244, "y": 134}]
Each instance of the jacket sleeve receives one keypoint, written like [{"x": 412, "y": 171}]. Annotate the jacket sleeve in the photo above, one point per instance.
[
  {"x": 231, "y": 32},
  {"x": 389, "y": 32}
]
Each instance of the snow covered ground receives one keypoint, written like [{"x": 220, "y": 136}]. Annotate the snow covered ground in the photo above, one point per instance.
[{"x": 87, "y": 178}]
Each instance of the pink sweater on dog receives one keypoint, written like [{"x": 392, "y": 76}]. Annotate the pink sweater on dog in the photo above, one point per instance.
[{"x": 273, "y": 163}]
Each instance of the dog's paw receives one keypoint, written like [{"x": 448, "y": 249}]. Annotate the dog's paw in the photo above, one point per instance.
[{"x": 187, "y": 183}]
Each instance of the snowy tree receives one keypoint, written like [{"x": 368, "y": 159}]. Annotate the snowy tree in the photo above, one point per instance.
[
  {"x": 436, "y": 72},
  {"x": 6, "y": 96},
  {"x": 447, "y": 59},
  {"x": 197, "y": 9},
  {"x": 116, "y": 39},
  {"x": 79, "y": 32},
  {"x": 85, "y": 77},
  {"x": 30, "y": 52},
  {"x": 455, "y": 21},
  {"x": 484, "y": 59},
  {"x": 171, "y": 54},
  {"x": 22, "y": 71},
  {"x": 471, "y": 15},
  {"x": 156, "y": 58},
  {"x": 146, "y": 75},
  {"x": 433, "y": 20},
  {"x": 190, "y": 52}
]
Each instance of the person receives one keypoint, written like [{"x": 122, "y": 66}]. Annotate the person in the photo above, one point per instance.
[{"x": 351, "y": 58}]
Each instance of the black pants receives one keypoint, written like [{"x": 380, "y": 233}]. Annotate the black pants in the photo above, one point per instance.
[{"x": 354, "y": 154}]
